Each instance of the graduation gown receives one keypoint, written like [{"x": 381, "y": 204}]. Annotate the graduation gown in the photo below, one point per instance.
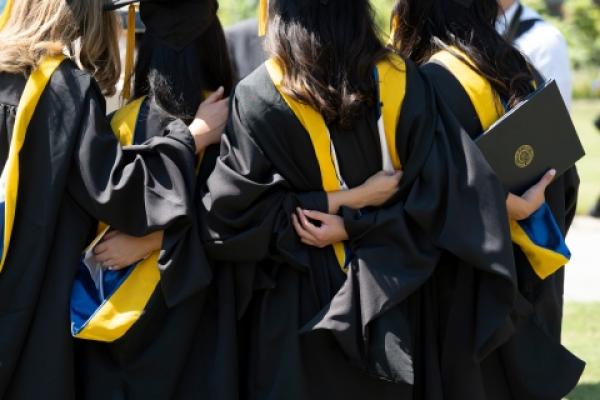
[
  {"x": 311, "y": 331},
  {"x": 246, "y": 48},
  {"x": 152, "y": 358},
  {"x": 74, "y": 173},
  {"x": 537, "y": 366}
]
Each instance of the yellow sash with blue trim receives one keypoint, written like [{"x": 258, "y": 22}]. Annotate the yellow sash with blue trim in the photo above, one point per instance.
[
  {"x": 539, "y": 236},
  {"x": 9, "y": 180},
  {"x": 129, "y": 291},
  {"x": 392, "y": 88}
]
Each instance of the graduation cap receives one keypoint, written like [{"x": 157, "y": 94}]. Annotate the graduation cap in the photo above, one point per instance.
[{"x": 175, "y": 23}]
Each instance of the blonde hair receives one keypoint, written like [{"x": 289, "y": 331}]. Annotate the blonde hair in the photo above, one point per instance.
[{"x": 37, "y": 28}]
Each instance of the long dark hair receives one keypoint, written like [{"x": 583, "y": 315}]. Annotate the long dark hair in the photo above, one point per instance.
[
  {"x": 328, "y": 50},
  {"x": 176, "y": 80},
  {"x": 423, "y": 27}
]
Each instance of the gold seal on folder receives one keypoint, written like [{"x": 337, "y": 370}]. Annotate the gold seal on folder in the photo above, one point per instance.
[{"x": 524, "y": 156}]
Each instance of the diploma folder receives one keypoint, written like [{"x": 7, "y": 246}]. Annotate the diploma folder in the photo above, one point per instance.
[{"x": 535, "y": 136}]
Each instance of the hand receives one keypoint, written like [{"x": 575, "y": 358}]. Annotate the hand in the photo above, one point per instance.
[
  {"x": 521, "y": 207},
  {"x": 379, "y": 188},
  {"x": 210, "y": 120},
  {"x": 118, "y": 250},
  {"x": 332, "y": 229}
]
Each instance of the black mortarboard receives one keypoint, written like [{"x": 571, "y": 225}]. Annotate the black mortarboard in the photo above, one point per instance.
[
  {"x": 178, "y": 23},
  {"x": 175, "y": 22}
]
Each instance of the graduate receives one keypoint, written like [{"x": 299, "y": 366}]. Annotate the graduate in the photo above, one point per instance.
[
  {"x": 480, "y": 76},
  {"x": 63, "y": 171},
  {"x": 335, "y": 249},
  {"x": 164, "y": 354}
]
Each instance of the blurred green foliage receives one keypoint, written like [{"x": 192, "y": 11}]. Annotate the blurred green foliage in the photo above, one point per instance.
[
  {"x": 581, "y": 27},
  {"x": 231, "y": 11}
]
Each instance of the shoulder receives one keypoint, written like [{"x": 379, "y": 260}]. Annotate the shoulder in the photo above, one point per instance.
[
  {"x": 74, "y": 91},
  {"x": 75, "y": 86},
  {"x": 246, "y": 28},
  {"x": 543, "y": 36},
  {"x": 68, "y": 74},
  {"x": 256, "y": 98}
]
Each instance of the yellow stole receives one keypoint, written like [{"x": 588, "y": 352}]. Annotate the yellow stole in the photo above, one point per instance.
[
  {"x": 489, "y": 109},
  {"x": 392, "y": 89},
  {"x": 34, "y": 88},
  {"x": 125, "y": 306}
]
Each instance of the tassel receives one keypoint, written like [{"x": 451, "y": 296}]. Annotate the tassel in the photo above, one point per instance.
[
  {"x": 129, "y": 55},
  {"x": 6, "y": 13},
  {"x": 263, "y": 17},
  {"x": 394, "y": 28}
]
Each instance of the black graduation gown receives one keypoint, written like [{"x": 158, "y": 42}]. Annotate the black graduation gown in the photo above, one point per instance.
[
  {"x": 246, "y": 48},
  {"x": 151, "y": 360},
  {"x": 537, "y": 366},
  {"x": 308, "y": 330},
  {"x": 73, "y": 174}
]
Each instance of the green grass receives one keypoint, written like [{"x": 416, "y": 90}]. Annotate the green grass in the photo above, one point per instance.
[
  {"x": 581, "y": 335},
  {"x": 584, "y": 114}
]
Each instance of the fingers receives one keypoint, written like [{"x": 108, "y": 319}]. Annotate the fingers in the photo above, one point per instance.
[
  {"x": 304, "y": 235},
  {"x": 316, "y": 215},
  {"x": 215, "y": 97},
  {"x": 111, "y": 263},
  {"x": 104, "y": 258},
  {"x": 117, "y": 265},
  {"x": 307, "y": 225},
  {"x": 101, "y": 247},
  {"x": 316, "y": 232},
  {"x": 110, "y": 235},
  {"x": 547, "y": 179}
]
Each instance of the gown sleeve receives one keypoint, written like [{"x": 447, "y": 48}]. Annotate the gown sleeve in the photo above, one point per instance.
[
  {"x": 449, "y": 201},
  {"x": 572, "y": 181},
  {"x": 249, "y": 204},
  {"x": 138, "y": 189}
]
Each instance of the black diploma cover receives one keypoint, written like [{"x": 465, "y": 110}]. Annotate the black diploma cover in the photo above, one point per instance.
[{"x": 536, "y": 135}]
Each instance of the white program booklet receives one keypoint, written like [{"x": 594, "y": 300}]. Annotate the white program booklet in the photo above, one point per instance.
[{"x": 95, "y": 268}]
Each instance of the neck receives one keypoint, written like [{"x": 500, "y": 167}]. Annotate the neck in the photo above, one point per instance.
[{"x": 506, "y": 4}]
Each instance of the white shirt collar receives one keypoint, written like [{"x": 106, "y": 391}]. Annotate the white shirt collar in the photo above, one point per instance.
[{"x": 504, "y": 19}]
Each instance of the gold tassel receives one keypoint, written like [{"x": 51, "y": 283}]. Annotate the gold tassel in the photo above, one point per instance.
[
  {"x": 6, "y": 13},
  {"x": 394, "y": 28},
  {"x": 263, "y": 17},
  {"x": 129, "y": 54}
]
